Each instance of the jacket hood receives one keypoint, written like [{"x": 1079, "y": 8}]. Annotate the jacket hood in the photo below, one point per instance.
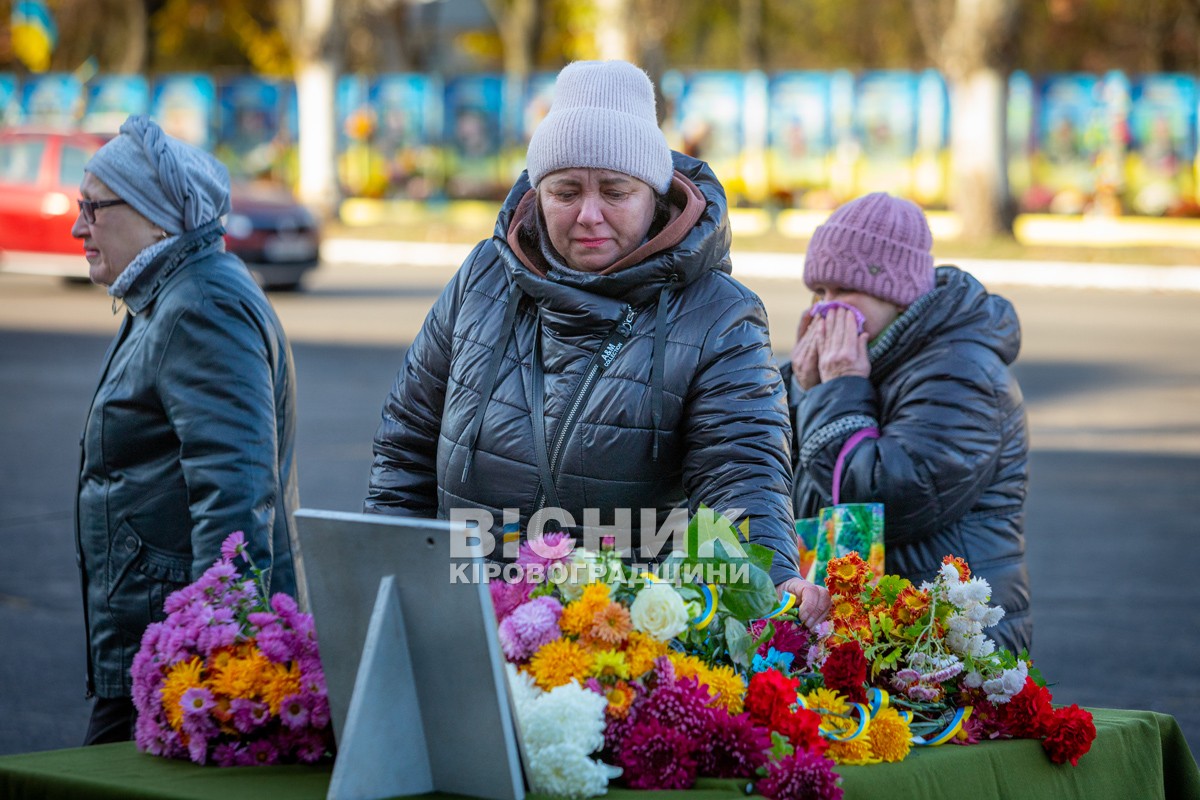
[
  {"x": 677, "y": 257},
  {"x": 958, "y": 309}
]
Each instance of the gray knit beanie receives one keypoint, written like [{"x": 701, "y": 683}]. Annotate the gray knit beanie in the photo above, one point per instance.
[
  {"x": 878, "y": 245},
  {"x": 173, "y": 184},
  {"x": 602, "y": 117}
]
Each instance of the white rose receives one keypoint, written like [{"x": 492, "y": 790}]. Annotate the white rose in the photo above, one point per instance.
[{"x": 659, "y": 611}]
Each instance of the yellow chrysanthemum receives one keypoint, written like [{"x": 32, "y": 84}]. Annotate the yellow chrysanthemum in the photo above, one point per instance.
[
  {"x": 577, "y": 617},
  {"x": 685, "y": 666},
  {"x": 180, "y": 677},
  {"x": 911, "y": 604},
  {"x": 890, "y": 737},
  {"x": 826, "y": 701},
  {"x": 855, "y": 752},
  {"x": 558, "y": 663},
  {"x": 610, "y": 625},
  {"x": 726, "y": 687},
  {"x": 243, "y": 672},
  {"x": 640, "y": 651},
  {"x": 280, "y": 681},
  {"x": 609, "y": 665}
]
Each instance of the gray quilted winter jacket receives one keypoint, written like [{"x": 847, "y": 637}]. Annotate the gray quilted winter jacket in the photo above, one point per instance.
[
  {"x": 691, "y": 411},
  {"x": 951, "y": 465}
]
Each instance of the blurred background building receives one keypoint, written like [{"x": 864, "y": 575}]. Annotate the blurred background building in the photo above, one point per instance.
[{"x": 990, "y": 107}]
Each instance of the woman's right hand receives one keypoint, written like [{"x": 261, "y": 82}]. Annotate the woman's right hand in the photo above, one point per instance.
[
  {"x": 843, "y": 350},
  {"x": 805, "y": 353}
]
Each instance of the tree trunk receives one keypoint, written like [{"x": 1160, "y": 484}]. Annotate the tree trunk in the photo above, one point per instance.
[
  {"x": 613, "y": 39},
  {"x": 750, "y": 26},
  {"x": 979, "y": 179},
  {"x": 315, "y": 35},
  {"x": 131, "y": 53},
  {"x": 970, "y": 40}
]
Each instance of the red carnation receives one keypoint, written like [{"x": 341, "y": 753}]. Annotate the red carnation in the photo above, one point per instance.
[
  {"x": 1069, "y": 735},
  {"x": 845, "y": 671},
  {"x": 1029, "y": 713},
  {"x": 802, "y": 728},
  {"x": 770, "y": 693}
]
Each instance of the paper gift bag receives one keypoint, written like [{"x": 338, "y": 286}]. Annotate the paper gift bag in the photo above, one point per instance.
[
  {"x": 847, "y": 528},
  {"x": 842, "y": 527}
]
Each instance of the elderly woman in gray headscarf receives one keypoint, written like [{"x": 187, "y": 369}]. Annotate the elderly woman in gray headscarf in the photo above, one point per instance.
[{"x": 190, "y": 434}]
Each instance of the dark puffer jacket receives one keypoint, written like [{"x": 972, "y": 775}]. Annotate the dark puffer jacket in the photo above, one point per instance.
[
  {"x": 691, "y": 411},
  {"x": 951, "y": 465},
  {"x": 189, "y": 438}
]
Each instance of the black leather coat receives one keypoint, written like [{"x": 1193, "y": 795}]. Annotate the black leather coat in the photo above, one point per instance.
[
  {"x": 691, "y": 411},
  {"x": 189, "y": 438},
  {"x": 951, "y": 465}
]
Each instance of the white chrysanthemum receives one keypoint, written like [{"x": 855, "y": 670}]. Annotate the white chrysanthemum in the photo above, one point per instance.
[
  {"x": 957, "y": 623},
  {"x": 1010, "y": 682},
  {"x": 949, "y": 574},
  {"x": 970, "y": 592},
  {"x": 973, "y": 680},
  {"x": 559, "y": 770},
  {"x": 567, "y": 714},
  {"x": 958, "y": 641},
  {"x": 993, "y": 616},
  {"x": 977, "y": 612},
  {"x": 980, "y": 646},
  {"x": 524, "y": 690}
]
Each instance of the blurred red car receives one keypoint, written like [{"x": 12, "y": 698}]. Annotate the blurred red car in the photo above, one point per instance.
[{"x": 40, "y": 172}]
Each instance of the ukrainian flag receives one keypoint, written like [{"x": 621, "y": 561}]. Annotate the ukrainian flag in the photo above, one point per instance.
[{"x": 34, "y": 34}]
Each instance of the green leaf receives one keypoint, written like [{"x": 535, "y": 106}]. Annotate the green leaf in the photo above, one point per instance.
[
  {"x": 751, "y": 598},
  {"x": 741, "y": 645},
  {"x": 780, "y": 746}
]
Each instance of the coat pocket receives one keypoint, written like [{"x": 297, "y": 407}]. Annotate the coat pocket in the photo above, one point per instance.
[{"x": 140, "y": 579}]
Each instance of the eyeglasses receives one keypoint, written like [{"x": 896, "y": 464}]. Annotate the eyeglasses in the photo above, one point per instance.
[{"x": 89, "y": 207}]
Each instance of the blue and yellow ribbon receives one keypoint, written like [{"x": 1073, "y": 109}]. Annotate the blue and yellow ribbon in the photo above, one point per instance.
[{"x": 951, "y": 730}]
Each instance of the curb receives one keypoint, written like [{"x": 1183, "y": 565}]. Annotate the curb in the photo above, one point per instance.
[{"x": 787, "y": 266}]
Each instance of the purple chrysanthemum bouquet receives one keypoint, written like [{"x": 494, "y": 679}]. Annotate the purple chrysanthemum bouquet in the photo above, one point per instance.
[{"x": 229, "y": 677}]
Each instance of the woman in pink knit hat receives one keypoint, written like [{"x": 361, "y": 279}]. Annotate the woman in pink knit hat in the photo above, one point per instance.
[{"x": 912, "y": 364}]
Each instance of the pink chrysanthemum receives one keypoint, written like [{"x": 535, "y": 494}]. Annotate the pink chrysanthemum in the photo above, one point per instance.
[
  {"x": 551, "y": 548},
  {"x": 680, "y": 704},
  {"x": 529, "y": 627},
  {"x": 233, "y": 546},
  {"x": 655, "y": 756},
  {"x": 506, "y": 597},
  {"x": 804, "y": 775}
]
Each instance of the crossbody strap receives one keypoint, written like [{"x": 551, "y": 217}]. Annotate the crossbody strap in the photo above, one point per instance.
[{"x": 851, "y": 443}]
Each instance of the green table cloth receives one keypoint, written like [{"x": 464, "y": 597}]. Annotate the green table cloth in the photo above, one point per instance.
[{"x": 1137, "y": 755}]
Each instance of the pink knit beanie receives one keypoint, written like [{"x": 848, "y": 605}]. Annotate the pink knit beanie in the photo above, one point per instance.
[{"x": 879, "y": 245}]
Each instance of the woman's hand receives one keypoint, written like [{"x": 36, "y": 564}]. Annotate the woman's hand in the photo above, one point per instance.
[
  {"x": 843, "y": 350},
  {"x": 812, "y": 601},
  {"x": 804, "y": 352}
]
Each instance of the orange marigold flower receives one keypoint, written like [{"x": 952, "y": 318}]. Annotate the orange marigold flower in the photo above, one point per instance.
[
  {"x": 558, "y": 663},
  {"x": 848, "y": 574},
  {"x": 911, "y": 604},
  {"x": 620, "y": 698},
  {"x": 578, "y": 616},
  {"x": 610, "y": 625},
  {"x": 960, "y": 564}
]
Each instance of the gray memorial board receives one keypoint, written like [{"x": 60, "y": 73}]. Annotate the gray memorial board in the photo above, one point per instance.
[{"x": 443, "y": 630}]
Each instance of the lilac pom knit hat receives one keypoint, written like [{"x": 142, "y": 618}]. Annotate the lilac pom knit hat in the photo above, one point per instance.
[
  {"x": 879, "y": 245},
  {"x": 602, "y": 117}
]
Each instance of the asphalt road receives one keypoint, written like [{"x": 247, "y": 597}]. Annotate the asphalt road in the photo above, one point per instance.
[{"x": 1112, "y": 383}]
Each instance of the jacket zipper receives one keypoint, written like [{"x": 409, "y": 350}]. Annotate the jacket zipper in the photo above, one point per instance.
[{"x": 599, "y": 361}]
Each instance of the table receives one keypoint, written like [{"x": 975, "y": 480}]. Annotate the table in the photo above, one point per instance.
[{"x": 1137, "y": 754}]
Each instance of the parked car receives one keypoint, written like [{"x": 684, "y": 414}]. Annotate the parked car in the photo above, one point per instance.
[{"x": 40, "y": 172}]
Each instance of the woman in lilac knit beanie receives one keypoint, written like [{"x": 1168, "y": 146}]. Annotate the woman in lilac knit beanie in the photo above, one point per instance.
[{"x": 913, "y": 363}]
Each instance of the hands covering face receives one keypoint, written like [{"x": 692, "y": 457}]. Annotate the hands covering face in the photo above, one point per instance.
[{"x": 829, "y": 347}]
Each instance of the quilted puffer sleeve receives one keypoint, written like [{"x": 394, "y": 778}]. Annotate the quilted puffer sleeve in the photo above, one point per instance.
[
  {"x": 403, "y": 477},
  {"x": 737, "y": 432},
  {"x": 937, "y": 451}
]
